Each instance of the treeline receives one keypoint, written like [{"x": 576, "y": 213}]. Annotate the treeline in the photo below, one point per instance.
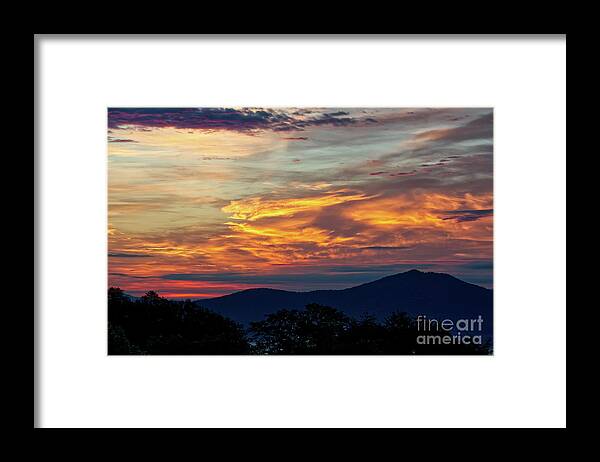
[{"x": 157, "y": 326}]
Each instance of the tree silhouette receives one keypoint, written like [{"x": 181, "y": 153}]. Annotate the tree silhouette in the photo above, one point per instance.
[
  {"x": 314, "y": 330},
  {"x": 325, "y": 330},
  {"x": 154, "y": 325},
  {"x": 279, "y": 333},
  {"x": 118, "y": 344},
  {"x": 401, "y": 334},
  {"x": 364, "y": 336}
]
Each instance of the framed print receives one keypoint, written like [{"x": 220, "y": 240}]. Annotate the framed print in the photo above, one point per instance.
[{"x": 299, "y": 231}]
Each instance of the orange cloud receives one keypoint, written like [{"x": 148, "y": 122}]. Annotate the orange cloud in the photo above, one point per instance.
[
  {"x": 425, "y": 210},
  {"x": 256, "y": 208},
  {"x": 271, "y": 233}
]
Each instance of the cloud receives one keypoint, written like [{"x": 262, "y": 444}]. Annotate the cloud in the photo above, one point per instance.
[
  {"x": 128, "y": 255},
  {"x": 121, "y": 140},
  {"x": 479, "y": 265},
  {"x": 382, "y": 269},
  {"x": 264, "y": 278},
  {"x": 480, "y": 128},
  {"x": 467, "y": 215},
  {"x": 132, "y": 276},
  {"x": 244, "y": 120},
  {"x": 191, "y": 118},
  {"x": 412, "y": 172},
  {"x": 255, "y": 208},
  {"x": 384, "y": 247}
]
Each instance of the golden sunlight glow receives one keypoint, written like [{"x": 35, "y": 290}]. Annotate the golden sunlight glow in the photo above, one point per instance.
[{"x": 256, "y": 208}]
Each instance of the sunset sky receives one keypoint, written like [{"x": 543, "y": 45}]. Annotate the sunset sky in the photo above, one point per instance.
[{"x": 205, "y": 202}]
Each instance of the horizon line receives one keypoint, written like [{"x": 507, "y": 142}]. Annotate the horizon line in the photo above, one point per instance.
[{"x": 194, "y": 299}]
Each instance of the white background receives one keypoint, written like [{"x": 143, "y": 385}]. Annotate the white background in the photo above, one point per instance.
[{"x": 522, "y": 385}]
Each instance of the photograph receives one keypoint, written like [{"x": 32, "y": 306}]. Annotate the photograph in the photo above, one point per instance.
[{"x": 300, "y": 230}]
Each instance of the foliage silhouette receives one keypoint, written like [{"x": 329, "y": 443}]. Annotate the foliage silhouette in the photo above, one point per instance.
[
  {"x": 325, "y": 330},
  {"x": 314, "y": 330},
  {"x": 155, "y": 325}
]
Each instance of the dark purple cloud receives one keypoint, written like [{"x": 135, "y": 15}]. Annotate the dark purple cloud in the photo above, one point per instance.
[
  {"x": 412, "y": 172},
  {"x": 337, "y": 114},
  {"x": 190, "y": 118},
  {"x": 467, "y": 215},
  {"x": 123, "y": 275},
  {"x": 225, "y": 119}
]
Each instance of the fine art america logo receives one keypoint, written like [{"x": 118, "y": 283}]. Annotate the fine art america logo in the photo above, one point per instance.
[{"x": 449, "y": 332}]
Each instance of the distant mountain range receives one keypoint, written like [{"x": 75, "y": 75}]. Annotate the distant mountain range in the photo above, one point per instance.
[{"x": 435, "y": 295}]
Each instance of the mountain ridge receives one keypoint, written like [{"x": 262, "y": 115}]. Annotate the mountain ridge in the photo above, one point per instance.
[{"x": 415, "y": 292}]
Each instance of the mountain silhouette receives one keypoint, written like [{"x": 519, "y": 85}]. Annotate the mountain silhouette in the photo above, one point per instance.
[{"x": 435, "y": 295}]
